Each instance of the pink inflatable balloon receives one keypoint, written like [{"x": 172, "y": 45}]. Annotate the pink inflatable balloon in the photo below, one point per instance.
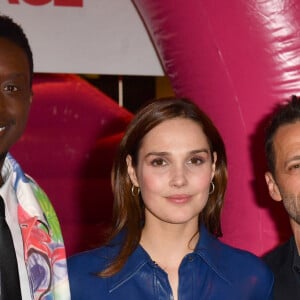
[{"x": 235, "y": 59}]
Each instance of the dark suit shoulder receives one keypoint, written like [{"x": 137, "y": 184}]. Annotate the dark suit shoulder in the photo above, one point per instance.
[{"x": 279, "y": 256}]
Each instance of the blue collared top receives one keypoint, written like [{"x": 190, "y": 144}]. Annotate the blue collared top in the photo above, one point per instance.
[{"x": 213, "y": 270}]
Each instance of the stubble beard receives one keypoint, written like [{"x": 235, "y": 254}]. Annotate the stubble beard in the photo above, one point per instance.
[{"x": 292, "y": 206}]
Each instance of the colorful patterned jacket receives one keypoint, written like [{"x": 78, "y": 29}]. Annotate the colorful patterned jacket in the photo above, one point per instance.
[{"x": 44, "y": 250}]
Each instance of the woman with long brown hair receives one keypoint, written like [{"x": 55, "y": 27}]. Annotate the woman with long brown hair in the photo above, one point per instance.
[{"x": 169, "y": 180}]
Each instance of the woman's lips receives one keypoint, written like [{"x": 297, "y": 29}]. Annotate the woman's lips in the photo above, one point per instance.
[{"x": 179, "y": 199}]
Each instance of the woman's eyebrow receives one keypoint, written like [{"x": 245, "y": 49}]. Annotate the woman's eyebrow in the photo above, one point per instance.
[{"x": 165, "y": 153}]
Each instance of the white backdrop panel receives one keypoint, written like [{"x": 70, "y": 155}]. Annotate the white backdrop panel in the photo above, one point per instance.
[{"x": 102, "y": 37}]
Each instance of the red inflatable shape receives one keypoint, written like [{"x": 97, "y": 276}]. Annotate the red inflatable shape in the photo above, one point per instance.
[{"x": 236, "y": 59}]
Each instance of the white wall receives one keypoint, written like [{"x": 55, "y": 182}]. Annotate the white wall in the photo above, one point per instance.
[{"x": 101, "y": 37}]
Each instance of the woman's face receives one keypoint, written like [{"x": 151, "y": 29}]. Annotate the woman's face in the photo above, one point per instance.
[{"x": 174, "y": 172}]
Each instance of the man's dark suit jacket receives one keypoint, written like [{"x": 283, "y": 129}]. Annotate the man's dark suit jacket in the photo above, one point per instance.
[{"x": 284, "y": 261}]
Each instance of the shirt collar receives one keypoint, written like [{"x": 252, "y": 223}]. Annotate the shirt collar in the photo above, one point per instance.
[
  {"x": 135, "y": 262},
  {"x": 208, "y": 248},
  {"x": 23, "y": 187}
]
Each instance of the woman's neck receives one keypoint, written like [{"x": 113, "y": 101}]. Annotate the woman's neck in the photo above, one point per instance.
[{"x": 167, "y": 244}]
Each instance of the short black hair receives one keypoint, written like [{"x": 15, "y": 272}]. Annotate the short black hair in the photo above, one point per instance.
[
  {"x": 284, "y": 113},
  {"x": 15, "y": 34}
]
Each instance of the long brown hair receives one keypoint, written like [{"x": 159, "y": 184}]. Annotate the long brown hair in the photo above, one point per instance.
[{"x": 128, "y": 211}]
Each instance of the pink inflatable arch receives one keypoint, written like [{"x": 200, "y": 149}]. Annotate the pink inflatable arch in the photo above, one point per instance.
[{"x": 235, "y": 59}]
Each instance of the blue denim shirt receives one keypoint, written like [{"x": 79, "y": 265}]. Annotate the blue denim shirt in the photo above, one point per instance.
[{"x": 213, "y": 271}]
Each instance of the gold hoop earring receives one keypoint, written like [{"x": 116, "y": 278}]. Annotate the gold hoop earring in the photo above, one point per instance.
[
  {"x": 212, "y": 188},
  {"x": 133, "y": 193}
]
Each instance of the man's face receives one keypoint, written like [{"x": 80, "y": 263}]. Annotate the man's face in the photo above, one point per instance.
[
  {"x": 285, "y": 185},
  {"x": 15, "y": 94}
]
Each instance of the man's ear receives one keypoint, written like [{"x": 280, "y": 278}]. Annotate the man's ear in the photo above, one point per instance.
[
  {"x": 131, "y": 171},
  {"x": 272, "y": 187}
]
